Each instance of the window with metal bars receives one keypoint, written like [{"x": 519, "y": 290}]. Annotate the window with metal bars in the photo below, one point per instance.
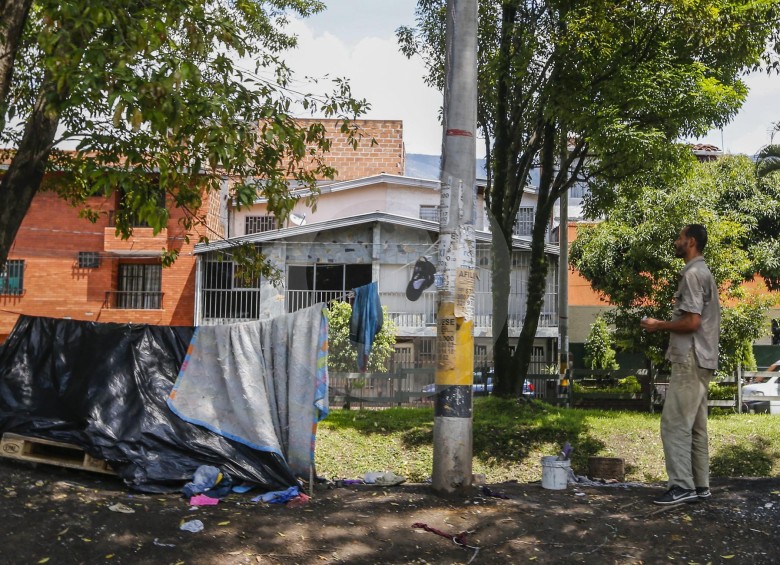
[
  {"x": 426, "y": 352},
  {"x": 524, "y": 223},
  {"x": 428, "y": 212},
  {"x": 227, "y": 295},
  {"x": 310, "y": 284},
  {"x": 89, "y": 260},
  {"x": 145, "y": 191},
  {"x": 12, "y": 277},
  {"x": 139, "y": 286},
  {"x": 258, "y": 224}
]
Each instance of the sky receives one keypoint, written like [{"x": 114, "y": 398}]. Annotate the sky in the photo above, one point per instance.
[{"x": 355, "y": 39}]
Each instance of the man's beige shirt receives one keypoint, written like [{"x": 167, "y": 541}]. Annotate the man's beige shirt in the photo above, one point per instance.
[{"x": 697, "y": 293}]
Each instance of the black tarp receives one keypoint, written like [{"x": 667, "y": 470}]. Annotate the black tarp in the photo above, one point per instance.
[{"x": 103, "y": 387}]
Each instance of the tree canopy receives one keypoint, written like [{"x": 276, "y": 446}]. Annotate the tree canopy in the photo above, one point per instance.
[
  {"x": 629, "y": 257},
  {"x": 171, "y": 96},
  {"x": 585, "y": 92}
]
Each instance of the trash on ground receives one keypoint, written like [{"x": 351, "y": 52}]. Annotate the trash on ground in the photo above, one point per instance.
[
  {"x": 210, "y": 481},
  {"x": 457, "y": 539},
  {"x": 123, "y": 508},
  {"x": 278, "y": 496},
  {"x": 383, "y": 478},
  {"x": 160, "y": 544},
  {"x": 487, "y": 491},
  {"x": 300, "y": 500},
  {"x": 203, "y": 500},
  {"x": 192, "y": 526}
]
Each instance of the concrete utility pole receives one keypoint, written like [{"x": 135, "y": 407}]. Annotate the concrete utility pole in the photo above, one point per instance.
[{"x": 452, "y": 431}]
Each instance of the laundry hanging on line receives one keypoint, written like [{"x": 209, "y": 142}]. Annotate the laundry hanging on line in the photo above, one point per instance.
[{"x": 366, "y": 321}]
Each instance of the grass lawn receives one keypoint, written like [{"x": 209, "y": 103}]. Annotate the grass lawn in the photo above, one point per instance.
[{"x": 510, "y": 439}]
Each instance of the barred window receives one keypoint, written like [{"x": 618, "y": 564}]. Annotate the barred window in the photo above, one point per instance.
[
  {"x": 257, "y": 224},
  {"x": 12, "y": 277},
  {"x": 524, "y": 223},
  {"x": 139, "y": 286},
  {"x": 89, "y": 260},
  {"x": 428, "y": 212}
]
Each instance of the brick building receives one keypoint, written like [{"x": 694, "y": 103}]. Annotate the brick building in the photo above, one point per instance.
[{"x": 64, "y": 266}]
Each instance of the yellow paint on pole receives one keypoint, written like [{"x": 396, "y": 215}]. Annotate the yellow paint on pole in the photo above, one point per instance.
[
  {"x": 445, "y": 344},
  {"x": 464, "y": 352},
  {"x": 455, "y": 348}
]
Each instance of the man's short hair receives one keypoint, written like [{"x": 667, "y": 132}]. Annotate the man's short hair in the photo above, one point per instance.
[{"x": 699, "y": 233}]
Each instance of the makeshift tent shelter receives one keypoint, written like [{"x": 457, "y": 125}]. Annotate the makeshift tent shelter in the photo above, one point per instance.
[{"x": 104, "y": 387}]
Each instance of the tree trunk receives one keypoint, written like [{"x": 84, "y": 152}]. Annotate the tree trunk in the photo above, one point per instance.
[
  {"x": 537, "y": 285},
  {"x": 537, "y": 277},
  {"x": 21, "y": 182},
  {"x": 504, "y": 176},
  {"x": 501, "y": 268},
  {"x": 13, "y": 15}
]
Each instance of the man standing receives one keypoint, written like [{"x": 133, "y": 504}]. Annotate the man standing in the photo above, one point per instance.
[{"x": 693, "y": 352}]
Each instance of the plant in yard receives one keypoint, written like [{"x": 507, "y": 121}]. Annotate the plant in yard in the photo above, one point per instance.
[
  {"x": 599, "y": 353},
  {"x": 630, "y": 384},
  {"x": 720, "y": 391},
  {"x": 342, "y": 353}
]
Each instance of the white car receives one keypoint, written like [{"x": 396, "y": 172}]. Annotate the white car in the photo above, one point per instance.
[{"x": 761, "y": 386}]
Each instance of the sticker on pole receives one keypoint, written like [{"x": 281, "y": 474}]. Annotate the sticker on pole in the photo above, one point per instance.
[{"x": 464, "y": 293}]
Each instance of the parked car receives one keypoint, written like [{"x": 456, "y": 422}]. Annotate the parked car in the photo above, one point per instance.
[{"x": 768, "y": 385}]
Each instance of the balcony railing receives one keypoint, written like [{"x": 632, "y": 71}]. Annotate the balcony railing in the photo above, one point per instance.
[
  {"x": 134, "y": 300},
  {"x": 297, "y": 299},
  {"x": 244, "y": 304},
  {"x": 408, "y": 315},
  {"x": 231, "y": 304}
]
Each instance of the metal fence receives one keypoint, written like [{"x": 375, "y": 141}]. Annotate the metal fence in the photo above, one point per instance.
[
  {"x": 416, "y": 386},
  {"x": 596, "y": 389}
]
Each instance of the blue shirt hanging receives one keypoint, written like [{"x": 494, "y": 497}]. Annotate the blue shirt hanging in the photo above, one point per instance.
[{"x": 366, "y": 321}]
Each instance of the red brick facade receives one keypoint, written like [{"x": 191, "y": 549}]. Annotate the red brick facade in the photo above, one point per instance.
[
  {"x": 385, "y": 156},
  {"x": 52, "y": 235},
  {"x": 49, "y": 242}
]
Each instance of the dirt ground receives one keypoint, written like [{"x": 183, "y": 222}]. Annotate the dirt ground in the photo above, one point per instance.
[{"x": 61, "y": 516}]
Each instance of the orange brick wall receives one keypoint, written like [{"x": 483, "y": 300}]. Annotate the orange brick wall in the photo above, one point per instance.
[
  {"x": 49, "y": 240},
  {"x": 580, "y": 292},
  {"x": 52, "y": 234},
  {"x": 386, "y": 156}
]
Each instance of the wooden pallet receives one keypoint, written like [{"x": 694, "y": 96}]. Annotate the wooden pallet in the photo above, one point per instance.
[{"x": 50, "y": 452}]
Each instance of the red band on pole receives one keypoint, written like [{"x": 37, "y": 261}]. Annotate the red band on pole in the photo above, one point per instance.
[{"x": 460, "y": 132}]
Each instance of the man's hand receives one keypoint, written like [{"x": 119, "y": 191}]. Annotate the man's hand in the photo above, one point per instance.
[
  {"x": 650, "y": 324},
  {"x": 687, "y": 323}
]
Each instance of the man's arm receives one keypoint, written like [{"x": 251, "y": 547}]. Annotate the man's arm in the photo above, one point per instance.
[{"x": 687, "y": 323}]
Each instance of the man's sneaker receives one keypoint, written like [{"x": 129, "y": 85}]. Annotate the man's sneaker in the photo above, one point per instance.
[
  {"x": 703, "y": 492},
  {"x": 676, "y": 495}
]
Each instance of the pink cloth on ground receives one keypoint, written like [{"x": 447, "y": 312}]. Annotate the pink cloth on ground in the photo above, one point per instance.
[{"x": 203, "y": 500}]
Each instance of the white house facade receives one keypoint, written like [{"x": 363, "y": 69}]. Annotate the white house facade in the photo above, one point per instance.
[{"x": 370, "y": 229}]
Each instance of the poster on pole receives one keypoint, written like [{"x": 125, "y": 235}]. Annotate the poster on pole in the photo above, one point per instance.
[{"x": 464, "y": 293}]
